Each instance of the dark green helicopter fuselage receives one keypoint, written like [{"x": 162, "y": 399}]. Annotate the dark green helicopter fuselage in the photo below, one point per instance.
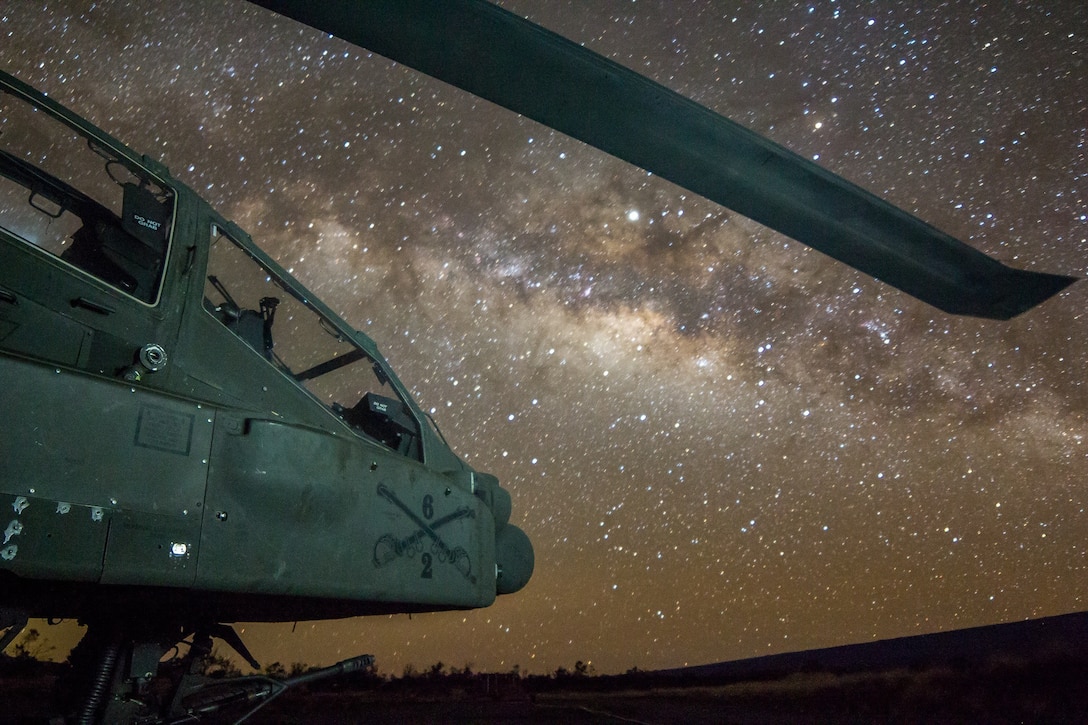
[{"x": 186, "y": 427}]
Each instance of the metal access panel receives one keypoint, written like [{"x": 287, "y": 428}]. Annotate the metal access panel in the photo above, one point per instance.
[
  {"x": 43, "y": 538},
  {"x": 300, "y": 512},
  {"x": 110, "y": 475}
]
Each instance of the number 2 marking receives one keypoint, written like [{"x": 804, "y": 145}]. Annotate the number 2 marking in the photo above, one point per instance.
[{"x": 427, "y": 559}]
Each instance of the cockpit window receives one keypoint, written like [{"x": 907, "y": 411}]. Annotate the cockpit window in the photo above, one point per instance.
[
  {"x": 280, "y": 327},
  {"x": 67, "y": 194}
]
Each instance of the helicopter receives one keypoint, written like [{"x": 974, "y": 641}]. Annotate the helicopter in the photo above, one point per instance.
[{"x": 200, "y": 440}]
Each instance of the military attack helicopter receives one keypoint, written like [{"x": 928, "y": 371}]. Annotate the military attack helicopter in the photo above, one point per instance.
[{"x": 193, "y": 439}]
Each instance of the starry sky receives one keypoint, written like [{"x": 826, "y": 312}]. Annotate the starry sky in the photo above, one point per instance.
[{"x": 722, "y": 443}]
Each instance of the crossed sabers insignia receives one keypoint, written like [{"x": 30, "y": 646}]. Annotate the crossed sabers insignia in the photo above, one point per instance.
[{"x": 389, "y": 547}]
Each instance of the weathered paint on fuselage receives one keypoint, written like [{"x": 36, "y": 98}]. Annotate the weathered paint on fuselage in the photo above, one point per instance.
[{"x": 217, "y": 480}]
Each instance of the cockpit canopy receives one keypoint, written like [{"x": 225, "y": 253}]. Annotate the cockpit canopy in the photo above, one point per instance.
[
  {"x": 68, "y": 195},
  {"x": 281, "y": 326}
]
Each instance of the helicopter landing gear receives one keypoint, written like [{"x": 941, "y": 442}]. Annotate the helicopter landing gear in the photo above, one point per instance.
[
  {"x": 124, "y": 678},
  {"x": 120, "y": 676}
]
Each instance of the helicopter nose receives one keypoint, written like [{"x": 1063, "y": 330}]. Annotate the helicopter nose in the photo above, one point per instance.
[{"x": 513, "y": 559}]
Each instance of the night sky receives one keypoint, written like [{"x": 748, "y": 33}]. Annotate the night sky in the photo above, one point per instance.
[{"x": 722, "y": 443}]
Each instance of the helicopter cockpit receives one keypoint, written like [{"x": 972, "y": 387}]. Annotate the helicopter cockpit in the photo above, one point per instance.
[
  {"x": 283, "y": 328},
  {"x": 66, "y": 194}
]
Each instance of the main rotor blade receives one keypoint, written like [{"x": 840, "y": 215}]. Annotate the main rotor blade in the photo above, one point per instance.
[{"x": 508, "y": 60}]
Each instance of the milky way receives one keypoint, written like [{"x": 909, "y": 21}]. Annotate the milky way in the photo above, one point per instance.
[{"x": 722, "y": 444}]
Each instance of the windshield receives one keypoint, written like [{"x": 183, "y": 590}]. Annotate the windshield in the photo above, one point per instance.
[
  {"x": 67, "y": 194},
  {"x": 290, "y": 334}
]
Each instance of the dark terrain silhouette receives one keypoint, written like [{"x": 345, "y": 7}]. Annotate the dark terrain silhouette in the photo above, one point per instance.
[{"x": 1032, "y": 671}]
